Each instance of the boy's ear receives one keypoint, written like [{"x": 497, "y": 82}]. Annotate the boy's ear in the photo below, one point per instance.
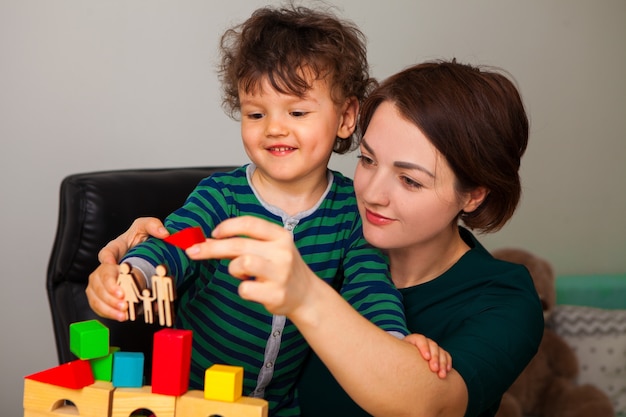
[
  {"x": 349, "y": 114},
  {"x": 475, "y": 198}
]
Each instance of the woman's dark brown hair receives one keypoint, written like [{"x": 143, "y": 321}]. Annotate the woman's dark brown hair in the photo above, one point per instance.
[
  {"x": 287, "y": 45},
  {"x": 475, "y": 118}
]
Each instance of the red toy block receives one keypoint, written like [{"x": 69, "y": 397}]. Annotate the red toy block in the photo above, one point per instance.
[
  {"x": 171, "y": 361},
  {"x": 75, "y": 375},
  {"x": 186, "y": 237}
]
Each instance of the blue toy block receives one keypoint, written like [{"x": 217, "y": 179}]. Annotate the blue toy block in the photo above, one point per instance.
[{"x": 127, "y": 369}]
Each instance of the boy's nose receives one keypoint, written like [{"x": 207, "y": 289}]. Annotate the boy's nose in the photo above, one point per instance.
[{"x": 275, "y": 126}]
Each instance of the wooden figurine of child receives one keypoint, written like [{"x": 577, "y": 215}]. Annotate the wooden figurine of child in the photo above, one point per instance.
[{"x": 147, "y": 297}]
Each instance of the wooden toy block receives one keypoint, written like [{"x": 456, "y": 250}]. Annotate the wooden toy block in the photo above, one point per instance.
[
  {"x": 223, "y": 383},
  {"x": 193, "y": 404},
  {"x": 46, "y": 400},
  {"x": 103, "y": 367},
  {"x": 128, "y": 400},
  {"x": 74, "y": 375},
  {"x": 127, "y": 369},
  {"x": 89, "y": 339},
  {"x": 171, "y": 361}
]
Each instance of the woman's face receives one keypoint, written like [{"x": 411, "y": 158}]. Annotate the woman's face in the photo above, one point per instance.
[{"x": 404, "y": 186}]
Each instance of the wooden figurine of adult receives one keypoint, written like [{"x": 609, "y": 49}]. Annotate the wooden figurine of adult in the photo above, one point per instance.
[
  {"x": 164, "y": 291},
  {"x": 131, "y": 292}
]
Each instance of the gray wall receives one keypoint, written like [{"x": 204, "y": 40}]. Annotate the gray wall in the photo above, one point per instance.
[{"x": 90, "y": 85}]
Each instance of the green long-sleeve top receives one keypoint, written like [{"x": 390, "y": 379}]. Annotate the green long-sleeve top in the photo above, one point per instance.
[{"x": 483, "y": 311}]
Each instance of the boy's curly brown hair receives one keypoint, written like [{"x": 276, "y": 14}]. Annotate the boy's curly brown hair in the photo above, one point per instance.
[{"x": 289, "y": 44}]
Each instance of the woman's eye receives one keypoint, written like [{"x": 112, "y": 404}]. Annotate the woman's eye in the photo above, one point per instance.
[
  {"x": 411, "y": 183},
  {"x": 365, "y": 160}
]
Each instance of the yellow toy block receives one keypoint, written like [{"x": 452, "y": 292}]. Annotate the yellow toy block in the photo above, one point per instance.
[
  {"x": 193, "y": 404},
  {"x": 223, "y": 383},
  {"x": 128, "y": 400},
  {"x": 47, "y": 400}
]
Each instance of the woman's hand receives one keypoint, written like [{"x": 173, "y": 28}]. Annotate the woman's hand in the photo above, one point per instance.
[
  {"x": 439, "y": 361},
  {"x": 140, "y": 230},
  {"x": 264, "y": 257}
]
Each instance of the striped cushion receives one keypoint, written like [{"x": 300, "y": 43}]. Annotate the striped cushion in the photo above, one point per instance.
[{"x": 598, "y": 336}]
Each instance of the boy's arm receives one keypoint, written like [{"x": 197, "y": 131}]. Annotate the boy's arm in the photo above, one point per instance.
[{"x": 367, "y": 285}]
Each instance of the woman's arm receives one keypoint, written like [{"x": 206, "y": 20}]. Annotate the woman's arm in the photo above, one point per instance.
[{"x": 401, "y": 384}]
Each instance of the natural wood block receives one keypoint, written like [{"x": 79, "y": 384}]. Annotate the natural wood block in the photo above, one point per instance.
[
  {"x": 127, "y": 400},
  {"x": 193, "y": 404},
  {"x": 47, "y": 400}
]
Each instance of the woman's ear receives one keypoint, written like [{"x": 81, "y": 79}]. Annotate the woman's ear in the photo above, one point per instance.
[
  {"x": 475, "y": 198},
  {"x": 349, "y": 114}
]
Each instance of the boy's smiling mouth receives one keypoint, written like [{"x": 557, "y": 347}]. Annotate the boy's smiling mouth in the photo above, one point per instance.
[{"x": 281, "y": 150}]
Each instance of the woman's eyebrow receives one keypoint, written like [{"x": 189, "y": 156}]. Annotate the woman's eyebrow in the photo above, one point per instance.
[
  {"x": 400, "y": 164},
  {"x": 411, "y": 165}
]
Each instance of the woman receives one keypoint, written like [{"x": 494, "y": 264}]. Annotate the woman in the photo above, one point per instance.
[{"x": 442, "y": 143}]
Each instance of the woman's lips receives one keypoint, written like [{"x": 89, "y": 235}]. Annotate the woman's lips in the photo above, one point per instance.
[{"x": 377, "y": 219}]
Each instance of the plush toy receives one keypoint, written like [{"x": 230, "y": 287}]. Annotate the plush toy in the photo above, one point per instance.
[{"x": 547, "y": 387}]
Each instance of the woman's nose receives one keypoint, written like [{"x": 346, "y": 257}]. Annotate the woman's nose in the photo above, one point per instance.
[{"x": 375, "y": 190}]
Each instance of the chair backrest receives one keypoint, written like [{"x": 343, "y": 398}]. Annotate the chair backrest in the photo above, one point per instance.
[{"x": 95, "y": 208}]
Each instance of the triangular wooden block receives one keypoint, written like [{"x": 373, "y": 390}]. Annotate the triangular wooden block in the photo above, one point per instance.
[
  {"x": 186, "y": 237},
  {"x": 75, "y": 375}
]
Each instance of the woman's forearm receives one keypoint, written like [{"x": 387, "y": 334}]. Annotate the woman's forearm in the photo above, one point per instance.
[{"x": 401, "y": 383}]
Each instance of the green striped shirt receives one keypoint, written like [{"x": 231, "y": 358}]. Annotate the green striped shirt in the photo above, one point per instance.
[{"x": 230, "y": 330}]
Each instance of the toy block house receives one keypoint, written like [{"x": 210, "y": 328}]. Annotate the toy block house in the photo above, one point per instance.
[{"x": 106, "y": 382}]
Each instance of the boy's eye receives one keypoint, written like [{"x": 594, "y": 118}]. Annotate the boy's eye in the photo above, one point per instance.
[
  {"x": 255, "y": 116},
  {"x": 298, "y": 113}
]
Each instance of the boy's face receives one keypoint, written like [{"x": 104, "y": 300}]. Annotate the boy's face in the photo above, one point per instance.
[{"x": 289, "y": 138}]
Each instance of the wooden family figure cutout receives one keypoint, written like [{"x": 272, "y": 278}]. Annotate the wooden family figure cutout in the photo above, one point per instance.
[{"x": 162, "y": 292}]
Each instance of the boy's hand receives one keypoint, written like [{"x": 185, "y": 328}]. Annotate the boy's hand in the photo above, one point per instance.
[
  {"x": 140, "y": 230},
  {"x": 105, "y": 297},
  {"x": 438, "y": 359}
]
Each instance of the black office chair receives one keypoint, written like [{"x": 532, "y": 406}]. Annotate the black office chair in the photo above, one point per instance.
[{"x": 95, "y": 208}]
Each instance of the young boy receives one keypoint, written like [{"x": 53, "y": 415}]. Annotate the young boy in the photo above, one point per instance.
[{"x": 295, "y": 77}]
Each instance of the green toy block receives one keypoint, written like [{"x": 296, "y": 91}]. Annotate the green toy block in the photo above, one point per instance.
[
  {"x": 89, "y": 339},
  {"x": 103, "y": 367}
]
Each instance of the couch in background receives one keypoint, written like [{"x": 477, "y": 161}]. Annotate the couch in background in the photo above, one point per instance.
[{"x": 591, "y": 316}]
